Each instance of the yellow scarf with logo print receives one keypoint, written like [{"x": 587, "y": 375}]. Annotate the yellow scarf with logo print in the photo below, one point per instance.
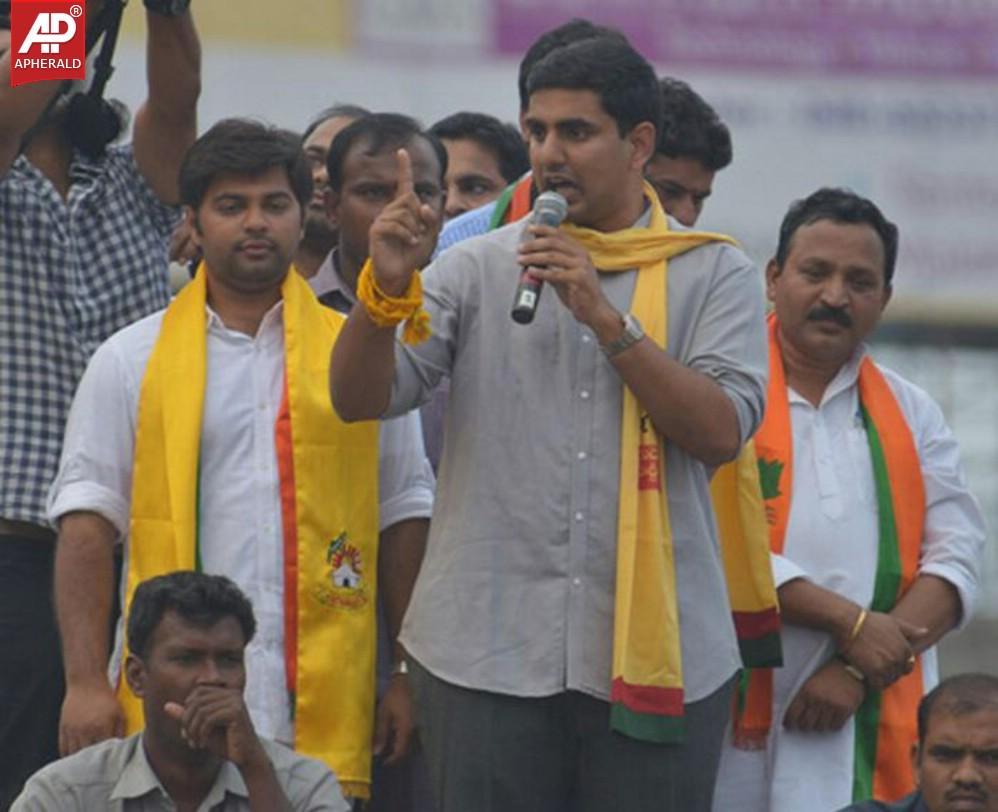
[
  {"x": 647, "y": 687},
  {"x": 329, "y": 498}
]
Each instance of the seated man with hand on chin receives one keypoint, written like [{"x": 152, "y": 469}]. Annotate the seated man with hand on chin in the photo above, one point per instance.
[{"x": 187, "y": 634}]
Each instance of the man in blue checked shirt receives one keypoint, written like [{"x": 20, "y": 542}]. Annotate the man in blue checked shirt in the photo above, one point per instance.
[{"x": 84, "y": 225}]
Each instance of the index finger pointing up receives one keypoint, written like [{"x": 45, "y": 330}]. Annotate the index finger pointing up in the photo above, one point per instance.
[{"x": 405, "y": 186}]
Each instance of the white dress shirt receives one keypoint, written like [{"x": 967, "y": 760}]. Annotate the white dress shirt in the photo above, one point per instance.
[
  {"x": 831, "y": 540},
  {"x": 239, "y": 487}
]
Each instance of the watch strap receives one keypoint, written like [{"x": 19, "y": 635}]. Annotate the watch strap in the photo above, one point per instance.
[
  {"x": 167, "y": 8},
  {"x": 630, "y": 336}
]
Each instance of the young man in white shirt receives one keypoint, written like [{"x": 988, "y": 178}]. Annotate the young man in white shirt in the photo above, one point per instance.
[{"x": 245, "y": 187}]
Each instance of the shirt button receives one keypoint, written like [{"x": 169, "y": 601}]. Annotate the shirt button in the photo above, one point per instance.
[
  {"x": 582, "y": 455},
  {"x": 585, "y": 338},
  {"x": 579, "y": 516},
  {"x": 576, "y": 582},
  {"x": 584, "y": 394}
]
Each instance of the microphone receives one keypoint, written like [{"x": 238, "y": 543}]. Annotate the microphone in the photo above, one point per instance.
[{"x": 550, "y": 209}]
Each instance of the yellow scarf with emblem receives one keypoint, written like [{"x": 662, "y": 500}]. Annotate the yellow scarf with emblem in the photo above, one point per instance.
[
  {"x": 647, "y": 681},
  {"x": 329, "y": 497}
]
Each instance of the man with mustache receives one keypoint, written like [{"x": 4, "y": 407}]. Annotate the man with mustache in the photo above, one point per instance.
[
  {"x": 956, "y": 758},
  {"x": 877, "y": 542}
]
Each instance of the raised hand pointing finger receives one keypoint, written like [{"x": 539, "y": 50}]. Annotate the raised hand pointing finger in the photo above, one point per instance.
[
  {"x": 405, "y": 183},
  {"x": 402, "y": 238}
]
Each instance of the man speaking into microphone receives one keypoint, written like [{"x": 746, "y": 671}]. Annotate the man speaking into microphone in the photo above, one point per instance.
[{"x": 569, "y": 636}]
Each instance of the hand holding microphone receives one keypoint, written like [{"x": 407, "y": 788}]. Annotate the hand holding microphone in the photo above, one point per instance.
[
  {"x": 550, "y": 209},
  {"x": 548, "y": 254}
]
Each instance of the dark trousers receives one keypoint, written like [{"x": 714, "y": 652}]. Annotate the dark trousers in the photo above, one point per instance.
[
  {"x": 31, "y": 678},
  {"x": 495, "y": 753},
  {"x": 402, "y": 787}
]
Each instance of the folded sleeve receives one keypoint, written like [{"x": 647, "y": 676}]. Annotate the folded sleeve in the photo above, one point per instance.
[
  {"x": 785, "y": 570},
  {"x": 729, "y": 342},
  {"x": 95, "y": 469},
  {"x": 955, "y": 532},
  {"x": 405, "y": 477}
]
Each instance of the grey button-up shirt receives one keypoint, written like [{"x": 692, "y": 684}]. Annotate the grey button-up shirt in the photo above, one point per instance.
[
  {"x": 516, "y": 593},
  {"x": 115, "y": 776}
]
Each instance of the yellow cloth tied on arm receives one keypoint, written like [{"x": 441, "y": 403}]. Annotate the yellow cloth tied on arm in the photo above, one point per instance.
[
  {"x": 646, "y": 692},
  {"x": 387, "y": 311},
  {"x": 329, "y": 494}
]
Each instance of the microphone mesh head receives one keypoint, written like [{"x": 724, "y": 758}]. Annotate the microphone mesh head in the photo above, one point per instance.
[{"x": 550, "y": 209}]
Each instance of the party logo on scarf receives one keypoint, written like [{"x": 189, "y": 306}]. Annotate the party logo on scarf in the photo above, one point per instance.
[
  {"x": 649, "y": 458},
  {"x": 47, "y": 41},
  {"x": 770, "y": 472},
  {"x": 343, "y": 586}
]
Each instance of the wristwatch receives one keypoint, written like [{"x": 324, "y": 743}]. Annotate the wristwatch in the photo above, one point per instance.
[
  {"x": 167, "y": 8},
  {"x": 632, "y": 335}
]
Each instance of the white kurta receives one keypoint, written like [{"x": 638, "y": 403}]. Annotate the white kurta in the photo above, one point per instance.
[
  {"x": 832, "y": 540},
  {"x": 240, "y": 513}
]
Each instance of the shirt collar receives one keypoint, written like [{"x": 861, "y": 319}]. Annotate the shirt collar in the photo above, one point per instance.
[
  {"x": 271, "y": 325},
  {"x": 138, "y": 779},
  {"x": 83, "y": 168},
  {"x": 845, "y": 379},
  {"x": 229, "y": 780},
  {"x": 328, "y": 279}
]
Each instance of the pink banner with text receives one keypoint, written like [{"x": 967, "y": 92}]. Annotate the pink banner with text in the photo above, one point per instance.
[{"x": 888, "y": 37}]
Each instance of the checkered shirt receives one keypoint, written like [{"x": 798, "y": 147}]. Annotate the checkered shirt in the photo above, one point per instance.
[
  {"x": 72, "y": 272},
  {"x": 470, "y": 224}
]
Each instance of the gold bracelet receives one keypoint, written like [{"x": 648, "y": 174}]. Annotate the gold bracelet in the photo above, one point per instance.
[
  {"x": 857, "y": 627},
  {"x": 852, "y": 671}
]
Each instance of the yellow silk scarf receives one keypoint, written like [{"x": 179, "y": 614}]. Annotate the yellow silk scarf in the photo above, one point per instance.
[
  {"x": 647, "y": 684},
  {"x": 329, "y": 487}
]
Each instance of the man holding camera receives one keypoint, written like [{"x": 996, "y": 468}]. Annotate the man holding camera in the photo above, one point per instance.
[{"x": 83, "y": 242}]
